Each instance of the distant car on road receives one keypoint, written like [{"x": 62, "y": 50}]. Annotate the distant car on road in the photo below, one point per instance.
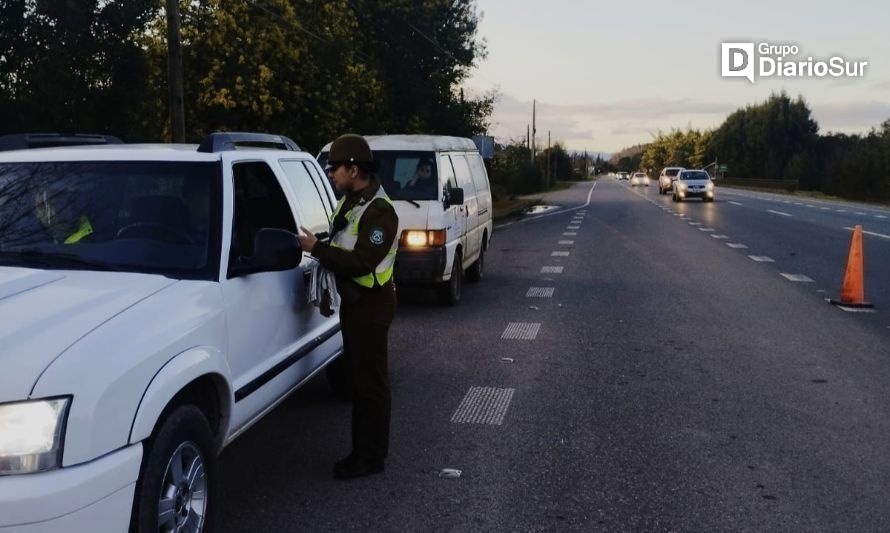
[
  {"x": 639, "y": 178},
  {"x": 694, "y": 184},
  {"x": 623, "y": 176},
  {"x": 666, "y": 179}
]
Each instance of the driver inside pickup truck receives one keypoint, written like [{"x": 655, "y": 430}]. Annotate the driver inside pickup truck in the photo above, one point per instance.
[{"x": 61, "y": 211}]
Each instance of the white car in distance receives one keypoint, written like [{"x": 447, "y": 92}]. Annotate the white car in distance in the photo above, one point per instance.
[{"x": 639, "y": 178}]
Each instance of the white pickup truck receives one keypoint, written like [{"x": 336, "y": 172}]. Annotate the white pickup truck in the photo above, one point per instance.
[{"x": 153, "y": 305}]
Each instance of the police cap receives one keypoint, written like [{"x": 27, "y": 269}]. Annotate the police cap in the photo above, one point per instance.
[{"x": 351, "y": 149}]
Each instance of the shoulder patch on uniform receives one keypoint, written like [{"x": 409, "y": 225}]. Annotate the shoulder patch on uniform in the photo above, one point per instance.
[{"x": 377, "y": 235}]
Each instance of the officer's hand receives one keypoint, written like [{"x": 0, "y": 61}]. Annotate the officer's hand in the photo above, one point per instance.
[{"x": 307, "y": 239}]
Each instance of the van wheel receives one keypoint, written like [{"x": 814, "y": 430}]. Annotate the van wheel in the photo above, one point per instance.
[
  {"x": 476, "y": 270},
  {"x": 449, "y": 292},
  {"x": 176, "y": 490},
  {"x": 337, "y": 373}
]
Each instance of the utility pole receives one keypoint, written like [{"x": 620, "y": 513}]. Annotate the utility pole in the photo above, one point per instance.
[
  {"x": 174, "y": 73},
  {"x": 549, "y": 171},
  {"x": 528, "y": 145},
  {"x": 534, "y": 131}
]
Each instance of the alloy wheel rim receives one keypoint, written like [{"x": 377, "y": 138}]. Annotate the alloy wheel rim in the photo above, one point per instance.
[{"x": 182, "y": 505}]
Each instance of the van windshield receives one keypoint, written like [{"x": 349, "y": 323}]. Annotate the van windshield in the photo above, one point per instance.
[{"x": 405, "y": 175}]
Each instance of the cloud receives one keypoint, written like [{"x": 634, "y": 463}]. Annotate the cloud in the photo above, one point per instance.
[
  {"x": 603, "y": 126},
  {"x": 612, "y": 126},
  {"x": 850, "y": 117}
]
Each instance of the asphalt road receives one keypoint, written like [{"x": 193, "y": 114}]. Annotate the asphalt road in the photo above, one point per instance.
[{"x": 669, "y": 383}]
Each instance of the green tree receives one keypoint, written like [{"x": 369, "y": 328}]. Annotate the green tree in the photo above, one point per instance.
[
  {"x": 279, "y": 66},
  {"x": 422, "y": 51},
  {"x": 771, "y": 140},
  {"x": 72, "y": 66}
]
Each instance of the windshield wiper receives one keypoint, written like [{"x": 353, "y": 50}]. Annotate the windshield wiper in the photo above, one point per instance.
[
  {"x": 407, "y": 200},
  {"x": 56, "y": 260}
]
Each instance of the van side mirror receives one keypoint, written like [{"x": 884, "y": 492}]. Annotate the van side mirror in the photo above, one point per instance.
[
  {"x": 455, "y": 197},
  {"x": 274, "y": 250}
]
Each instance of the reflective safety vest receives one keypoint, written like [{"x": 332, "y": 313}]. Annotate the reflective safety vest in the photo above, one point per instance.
[
  {"x": 347, "y": 238},
  {"x": 85, "y": 229}
]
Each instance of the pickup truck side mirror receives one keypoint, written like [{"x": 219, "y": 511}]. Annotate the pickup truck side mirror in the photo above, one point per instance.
[
  {"x": 455, "y": 197},
  {"x": 274, "y": 250}
]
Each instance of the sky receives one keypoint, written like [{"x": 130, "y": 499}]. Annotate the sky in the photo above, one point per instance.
[{"x": 610, "y": 74}]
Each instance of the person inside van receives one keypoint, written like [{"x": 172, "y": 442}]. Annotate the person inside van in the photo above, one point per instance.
[{"x": 424, "y": 181}]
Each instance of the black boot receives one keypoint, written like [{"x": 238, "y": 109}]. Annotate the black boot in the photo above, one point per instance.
[{"x": 353, "y": 467}]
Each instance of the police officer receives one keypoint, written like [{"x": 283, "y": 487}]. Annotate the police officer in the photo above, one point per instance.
[{"x": 361, "y": 254}]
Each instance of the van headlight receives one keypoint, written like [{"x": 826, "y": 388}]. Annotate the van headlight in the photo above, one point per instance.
[
  {"x": 31, "y": 435},
  {"x": 422, "y": 238}
]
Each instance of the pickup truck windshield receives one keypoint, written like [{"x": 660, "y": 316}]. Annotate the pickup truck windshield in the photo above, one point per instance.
[{"x": 133, "y": 216}]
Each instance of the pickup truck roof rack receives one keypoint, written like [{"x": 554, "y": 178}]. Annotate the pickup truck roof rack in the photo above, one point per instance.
[
  {"x": 22, "y": 141},
  {"x": 233, "y": 140}
]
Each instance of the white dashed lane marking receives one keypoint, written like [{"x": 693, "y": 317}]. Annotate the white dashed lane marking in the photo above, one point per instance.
[
  {"x": 762, "y": 259},
  {"x": 873, "y": 234},
  {"x": 483, "y": 405},
  {"x": 574, "y": 227},
  {"x": 566, "y": 242},
  {"x": 778, "y": 213},
  {"x": 800, "y": 278},
  {"x": 695, "y": 223},
  {"x": 559, "y": 254},
  {"x": 705, "y": 229},
  {"x": 570, "y": 234},
  {"x": 736, "y": 245},
  {"x": 551, "y": 270},
  {"x": 524, "y": 331},
  {"x": 540, "y": 292},
  {"x": 734, "y": 203},
  {"x": 720, "y": 236}
]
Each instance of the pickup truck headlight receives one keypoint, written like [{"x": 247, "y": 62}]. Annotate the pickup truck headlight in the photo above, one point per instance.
[
  {"x": 682, "y": 187},
  {"x": 31, "y": 435}
]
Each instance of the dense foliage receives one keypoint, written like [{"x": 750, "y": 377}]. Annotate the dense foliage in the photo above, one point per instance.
[
  {"x": 779, "y": 140},
  {"x": 310, "y": 69}
]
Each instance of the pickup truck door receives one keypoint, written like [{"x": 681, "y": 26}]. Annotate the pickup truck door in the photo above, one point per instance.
[{"x": 276, "y": 338}]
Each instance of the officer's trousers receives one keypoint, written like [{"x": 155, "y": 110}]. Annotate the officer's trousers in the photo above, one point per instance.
[{"x": 365, "y": 328}]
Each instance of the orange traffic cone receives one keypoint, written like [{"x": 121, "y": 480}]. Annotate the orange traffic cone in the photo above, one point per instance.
[{"x": 852, "y": 291}]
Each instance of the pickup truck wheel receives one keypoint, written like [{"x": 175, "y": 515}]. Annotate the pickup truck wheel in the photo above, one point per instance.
[
  {"x": 476, "y": 270},
  {"x": 449, "y": 292},
  {"x": 176, "y": 490}
]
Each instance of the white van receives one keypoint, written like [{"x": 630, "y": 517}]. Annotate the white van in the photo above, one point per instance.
[{"x": 441, "y": 192}]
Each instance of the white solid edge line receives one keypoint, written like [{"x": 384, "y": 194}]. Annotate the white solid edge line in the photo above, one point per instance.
[
  {"x": 869, "y": 209},
  {"x": 569, "y": 210}
]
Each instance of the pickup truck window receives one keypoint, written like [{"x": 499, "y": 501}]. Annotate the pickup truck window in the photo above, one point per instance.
[
  {"x": 320, "y": 180},
  {"x": 259, "y": 203},
  {"x": 311, "y": 207},
  {"x": 132, "y": 216}
]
